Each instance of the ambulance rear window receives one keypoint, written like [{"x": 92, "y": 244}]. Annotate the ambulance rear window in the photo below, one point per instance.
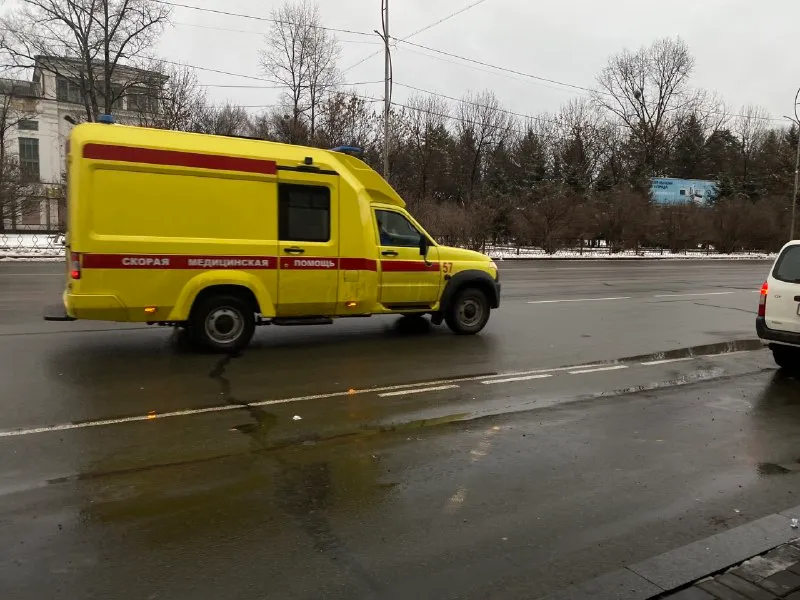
[{"x": 304, "y": 213}]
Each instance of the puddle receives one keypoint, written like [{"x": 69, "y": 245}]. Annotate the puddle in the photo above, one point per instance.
[{"x": 771, "y": 469}]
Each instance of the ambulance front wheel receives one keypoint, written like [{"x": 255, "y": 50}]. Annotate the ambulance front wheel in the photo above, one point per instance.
[
  {"x": 468, "y": 313},
  {"x": 222, "y": 323}
]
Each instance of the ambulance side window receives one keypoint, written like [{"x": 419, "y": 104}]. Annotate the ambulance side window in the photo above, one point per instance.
[
  {"x": 395, "y": 230},
  {"x": 304, "y": 213}
]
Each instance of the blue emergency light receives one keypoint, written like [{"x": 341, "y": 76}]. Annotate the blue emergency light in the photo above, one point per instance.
[{"x": 351, "y": 150}]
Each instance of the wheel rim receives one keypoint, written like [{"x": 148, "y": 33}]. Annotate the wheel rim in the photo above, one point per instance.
[
  {"x": 470, "y": 312},
  {"x": 224, "y": 325}
]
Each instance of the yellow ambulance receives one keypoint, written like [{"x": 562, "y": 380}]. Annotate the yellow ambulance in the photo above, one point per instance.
[{"x": 221, "y": 234}]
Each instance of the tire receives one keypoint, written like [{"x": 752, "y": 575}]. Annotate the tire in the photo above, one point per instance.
[
  {"x": 468, "y": 313},
  {"x": 787, "y": 358},
  {"x": 222, "y": 324}
]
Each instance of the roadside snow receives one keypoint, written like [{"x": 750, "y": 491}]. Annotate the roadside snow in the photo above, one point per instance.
[
  {"x": 31, "y": 246},
  {"x": 604, "y": 254},
  {"x": 48, "y": 247}
]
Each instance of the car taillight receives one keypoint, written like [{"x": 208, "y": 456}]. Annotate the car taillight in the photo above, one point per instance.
[
  {"x": 762, "y": 303},
  {"x": 75, "y": 265}
]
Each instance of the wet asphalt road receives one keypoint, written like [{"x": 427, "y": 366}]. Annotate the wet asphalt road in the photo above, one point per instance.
[{"x": 514, "y": 474}]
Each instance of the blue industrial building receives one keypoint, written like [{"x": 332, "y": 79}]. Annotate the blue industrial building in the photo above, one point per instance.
[{"x": 669, "y": 190}]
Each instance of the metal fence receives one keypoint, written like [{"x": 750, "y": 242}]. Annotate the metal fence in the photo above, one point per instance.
[
  {"x": 31, "y": 242},
  {"x": 33, "y": 228}
]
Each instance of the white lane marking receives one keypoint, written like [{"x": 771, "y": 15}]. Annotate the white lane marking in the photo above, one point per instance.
[
  {"x": 579, "y": 300},
  {"x": 534, "y": 372},
  {"x": 227, "y": 407},
  {"x": 687, "y": 295},
  {"x": 574, "y": 370},
  {"x": 523, "y": 378},
  {"x": 667, "y": 361},
  {"x": 598, "y": 370},
  {"x": 435, "y": 388}
]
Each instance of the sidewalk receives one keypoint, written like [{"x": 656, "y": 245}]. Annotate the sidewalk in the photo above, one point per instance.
[
  {"x": 760, "y": 557},
  {"x": 775, "y": 574}
]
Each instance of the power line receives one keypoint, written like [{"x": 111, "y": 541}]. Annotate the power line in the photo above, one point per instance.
[
  {"x": 275, "y": 87},
  {"x": 261, "y": 33},
  {"x": 459, "y": 119},
  {"x": 539, "y": 78},
  {"x": 443, "y": 19},
  {"x": 257, "y": 18},
  {"x": 478, "y": 104},
  {"x": 499, "y": 68},
  {"x": 491, "y": 72},
  {"x": 418, "y": 31}
]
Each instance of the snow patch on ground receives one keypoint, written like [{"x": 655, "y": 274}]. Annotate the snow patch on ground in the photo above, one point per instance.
[
  {"x": 49, "y": 247},
  {"x": 604, "y": 254}
]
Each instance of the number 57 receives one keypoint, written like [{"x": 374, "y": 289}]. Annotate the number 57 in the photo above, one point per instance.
[{"x": 447, "y": 267}]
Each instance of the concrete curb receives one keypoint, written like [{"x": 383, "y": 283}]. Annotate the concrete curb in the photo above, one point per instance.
[{"x": 666, "y": 572}]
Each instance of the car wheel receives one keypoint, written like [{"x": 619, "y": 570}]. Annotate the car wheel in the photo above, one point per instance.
[
  {"x": 222, "y": 324},
  {"x": 468, "y": 313},
  {"x": 786, "y": 358}
]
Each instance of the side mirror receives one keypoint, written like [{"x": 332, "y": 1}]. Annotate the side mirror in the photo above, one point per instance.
[{"x": 423, "y": 246}]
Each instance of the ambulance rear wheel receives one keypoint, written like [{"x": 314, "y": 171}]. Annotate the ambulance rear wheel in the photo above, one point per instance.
[
  {"x": 223, "y": 323},
  {"x": 468, "y": 313}
]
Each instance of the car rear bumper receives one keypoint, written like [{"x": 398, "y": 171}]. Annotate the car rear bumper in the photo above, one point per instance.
[{"x": 769, "y": 336}]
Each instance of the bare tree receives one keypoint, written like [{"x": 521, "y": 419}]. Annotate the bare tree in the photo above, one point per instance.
[
  {"x": 581, "y": 143},
  {"x": 323, "y": 73},
  {"x": 177, "y": 98},
  {"x": 481, "y": 125},
  {"x": 346, "y": 119},
  {"x": 426, "y": 120},
  {"x": 648, "y": 91},
  {"x": 302, "y": 56},
  {"x": 228, "y": 119},
  {"x": 94, "y": 44},
  {"x": 750, "y": 127},
  {"x": 16, "y": 189}
]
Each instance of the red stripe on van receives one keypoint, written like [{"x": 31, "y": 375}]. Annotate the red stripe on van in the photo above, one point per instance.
[
  {"x": 176, "y": 261},
  {"x": 175, "y": 158},
  {"x": 310, "y": 263},
  {"x": 193, "y": 261},
  {"x": 407, "y": 266},
  {"x": 358, "y": 264}
]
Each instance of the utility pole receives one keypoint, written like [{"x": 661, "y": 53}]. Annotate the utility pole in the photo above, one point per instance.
[
  {"x": 796, "y": 167},
  {"x": 796, "y": 121},
  {"x": 387, "y": 98}
]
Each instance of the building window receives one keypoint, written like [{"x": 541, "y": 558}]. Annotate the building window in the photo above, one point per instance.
[
  {"x": 142, "y": 100},
  {"x": 304, "y": 213},
  {"x": 68, "y": 90},
  {"x": 31, "y": 209},
  {"x": 116, "y": 96},
  {"x": 28, "y": 125},
  {"x": 29, "y": 159}
]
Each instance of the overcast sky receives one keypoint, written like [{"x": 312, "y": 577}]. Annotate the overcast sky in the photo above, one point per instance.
[{"x": 747, "y": 50}]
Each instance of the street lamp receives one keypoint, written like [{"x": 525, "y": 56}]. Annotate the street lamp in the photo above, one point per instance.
[{"x": 796, "y": 121}]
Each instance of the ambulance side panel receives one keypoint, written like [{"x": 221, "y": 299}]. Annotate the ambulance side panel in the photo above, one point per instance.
[
  {"x": 155, "y": 235},
  {"x": 359, "y": 277}
]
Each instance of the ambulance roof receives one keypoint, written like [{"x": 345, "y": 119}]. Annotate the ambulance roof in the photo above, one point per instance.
[{"x": 357, "y": 173}]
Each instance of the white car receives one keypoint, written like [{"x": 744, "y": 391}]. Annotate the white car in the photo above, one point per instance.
[{"x": 778, "y": 323}]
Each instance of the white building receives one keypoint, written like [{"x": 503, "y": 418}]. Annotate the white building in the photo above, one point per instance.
[{"x": 44, "y": 110}]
